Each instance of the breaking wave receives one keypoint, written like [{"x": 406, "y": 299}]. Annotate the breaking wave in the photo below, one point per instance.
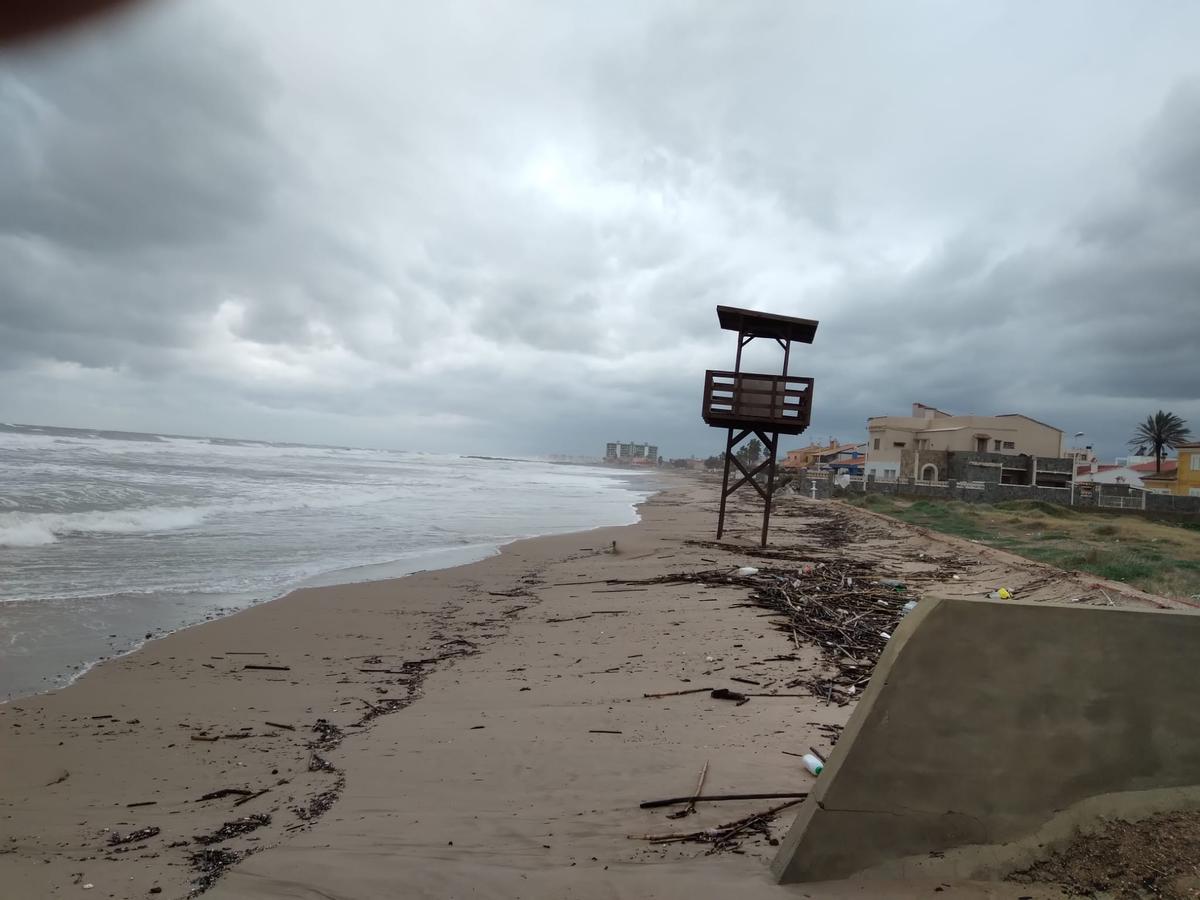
[{"x": 39, "y": 529}]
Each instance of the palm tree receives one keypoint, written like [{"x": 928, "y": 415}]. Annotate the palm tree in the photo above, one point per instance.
[{"x": 1161, "y": 430}]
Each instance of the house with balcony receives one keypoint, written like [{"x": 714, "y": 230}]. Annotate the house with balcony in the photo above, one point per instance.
[{"x": 933, "y": 445}]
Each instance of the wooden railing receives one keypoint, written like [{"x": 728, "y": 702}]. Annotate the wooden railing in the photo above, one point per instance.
[{"x": 776, "y": 403}]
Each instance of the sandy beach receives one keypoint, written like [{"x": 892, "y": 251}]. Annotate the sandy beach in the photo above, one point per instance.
[{"x": 481, "y": 731}]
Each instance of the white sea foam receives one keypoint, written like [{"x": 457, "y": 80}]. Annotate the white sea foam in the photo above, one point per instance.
[
  {"x": 100, "y": 533},
  {"x": 16, "y": 533},
  {"x": 37, "y": 529}
]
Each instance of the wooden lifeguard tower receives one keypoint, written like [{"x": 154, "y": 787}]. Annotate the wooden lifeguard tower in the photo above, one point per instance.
[{"x": 764, "y": 406}]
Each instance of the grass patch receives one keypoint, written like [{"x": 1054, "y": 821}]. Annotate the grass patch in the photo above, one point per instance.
[
  {"x": 876, "y": 502},
  {"x": 1041, "y": 506},
  {"x": 1159, "y": 557},
  {"x": 1125, "y": 567},
  {"x": 1052, "y": 536},
  {"x": 949, "y": 517},
  {"x": 1054, "y": 556}
]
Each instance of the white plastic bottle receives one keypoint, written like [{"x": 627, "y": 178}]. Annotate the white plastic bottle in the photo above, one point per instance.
[{"x": 813, "y": 763}]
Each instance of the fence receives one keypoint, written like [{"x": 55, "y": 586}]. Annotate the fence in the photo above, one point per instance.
[
  {"x": 1137, "y": 501},
  {"x": 1081, "y": 495}
]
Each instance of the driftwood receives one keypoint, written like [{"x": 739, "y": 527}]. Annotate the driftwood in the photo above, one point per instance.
[
  {"x": 142, "y": 834},
  {"x": 691, "y": 807},
  {"x": 225, "y": 792},
  {"x": 233, "y": 829},
  {"x": 721, "y": 837},
  {"x": 678, "y": 693},
  {"x": 267, "y": 668},
  {"x": 250, "y": 797},
  {"x": 845, "y": 609},
  {"x": 717, "y": 798}
]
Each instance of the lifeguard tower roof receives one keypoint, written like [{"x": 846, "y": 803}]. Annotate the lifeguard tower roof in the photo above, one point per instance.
[{"x": 766, "y": 325}]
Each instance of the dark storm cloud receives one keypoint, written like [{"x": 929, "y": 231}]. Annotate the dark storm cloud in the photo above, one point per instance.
[
  {"x": 126, "y": 144},
  {"x": 408, "y": 228},
  {"x": 126, "y": 158}
]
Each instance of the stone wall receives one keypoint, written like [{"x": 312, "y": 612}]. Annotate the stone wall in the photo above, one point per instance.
[{"x": 963, "y": 466}]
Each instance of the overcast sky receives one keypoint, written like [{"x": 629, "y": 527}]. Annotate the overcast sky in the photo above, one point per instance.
[{"x": 504, "y": 227}]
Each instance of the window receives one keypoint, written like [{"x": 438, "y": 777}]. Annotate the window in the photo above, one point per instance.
[
  {"x": 1194, "y": 492},
  {"x": 996, "y": 446},
  {"x": 1009, "y": 445},
  {"x": 876, "y": 446},
  {"x": 1194, "y": 465},
  {"x": 897, "y": 443}
]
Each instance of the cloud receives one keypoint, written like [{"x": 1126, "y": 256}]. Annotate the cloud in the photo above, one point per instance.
[{"x": 438, "y": 228}]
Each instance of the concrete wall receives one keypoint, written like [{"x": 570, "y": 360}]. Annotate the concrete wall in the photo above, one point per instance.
[{"x": 992, "y": 727}]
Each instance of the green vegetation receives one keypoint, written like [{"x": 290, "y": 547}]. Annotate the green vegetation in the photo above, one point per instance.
[
  {"x": 1041, "y": 506},
  {"x": 749, "y": 452},
  {"x": 1159, "y": 557},
  {"x": 1159, "y": 432}
]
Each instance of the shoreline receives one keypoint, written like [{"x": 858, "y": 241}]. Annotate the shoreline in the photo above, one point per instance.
[
  {"x": 486, "y": 730},
  {"x": 322, "y": 580},
  {"x": 220, "y": 605},
  {"x": 77, "y": 701}
]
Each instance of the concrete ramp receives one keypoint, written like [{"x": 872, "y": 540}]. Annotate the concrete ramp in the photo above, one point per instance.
[{"x": 991, "y": 728}]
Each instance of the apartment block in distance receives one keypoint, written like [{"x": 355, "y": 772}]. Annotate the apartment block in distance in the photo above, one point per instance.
[
  {"x": 630, "y": 454},
  {"x": 933, "y": 445}
]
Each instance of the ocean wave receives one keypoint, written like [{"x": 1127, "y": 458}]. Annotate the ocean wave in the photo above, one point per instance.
[{"x": 39, "y": 529}]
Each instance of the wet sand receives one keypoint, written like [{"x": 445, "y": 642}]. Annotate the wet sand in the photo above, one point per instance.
[{"x": 470, "y": 732}]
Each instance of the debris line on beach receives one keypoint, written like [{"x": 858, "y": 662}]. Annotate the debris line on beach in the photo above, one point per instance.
[{"x": 724, "y": 837}]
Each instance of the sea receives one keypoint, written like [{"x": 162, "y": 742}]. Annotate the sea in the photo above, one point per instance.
[{"x": 108, "y": 539}]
